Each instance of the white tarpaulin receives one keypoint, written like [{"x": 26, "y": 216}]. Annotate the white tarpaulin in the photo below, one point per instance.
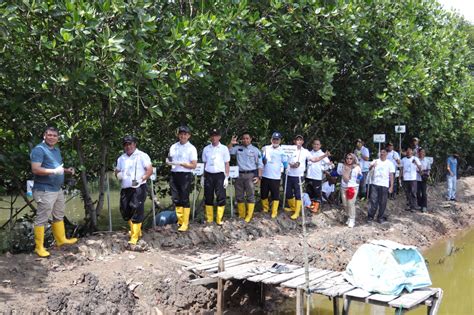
[{"x": 387, "y": 267}]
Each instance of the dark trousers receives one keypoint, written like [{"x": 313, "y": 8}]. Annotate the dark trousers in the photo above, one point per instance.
[
  {"x": 378, "y": 201},
  {"x": 363, "y": 185},
  {"x": 214, "y": 184},
  {"x": 293, "y": 188},
  {"x": 132, "y": 203},
  {"x": 421, "y": 195},
  {"x": 313, "y": 188},
  {"x": 180, "y": 185},
  {"x": 410, "y": 192},
  {"x": 270, "y": 186}
]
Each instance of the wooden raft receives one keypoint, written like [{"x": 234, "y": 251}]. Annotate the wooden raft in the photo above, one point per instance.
[{"x": 324, "y": 282}]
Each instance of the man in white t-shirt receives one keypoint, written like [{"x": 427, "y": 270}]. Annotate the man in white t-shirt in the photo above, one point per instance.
[
  {"x": 183, "y": 159},
  {"x": 382, "y": 184},
  {"x": 133, "y": 170},
  {"x": 297, "y": 167},
  {"x": 410, "y": 166},
  {"x": 216, "y": 160},
  {"x": 393, "y": 157},
  {"x": 314, "y": 175},
  {"x": 363, "y": 155}
]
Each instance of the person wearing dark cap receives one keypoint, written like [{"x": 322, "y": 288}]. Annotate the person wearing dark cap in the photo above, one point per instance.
[
  {"x": 363, "y": 155},
  {"x": 133, "y": 170},
  {"x": 273, "y": 158},
  {"x": 216, "y": 160},
  {"x": 249, "y": 161},
  {"x": 183, "y": 159},
  {"x": 297, "y": 167}
]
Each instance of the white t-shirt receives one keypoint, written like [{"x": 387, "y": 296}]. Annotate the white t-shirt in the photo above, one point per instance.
[
  {"x": 182, "y": 153},
  {"x": 133, "y": 167},
  {"x": 381, "y": 172},
  {"x": 356, "y": 171},
  {"x": 315, "y": 169},
  {"x": 425, "y": 166},
  {"x": 275, "y": 158},
  {"x": 328, "y": 189},
  {"x": 409, "y": 168},
  {"x": 301, "y": 156},
  {"x": 215, "y": 158},
  {"x": 363, "y": 152}
]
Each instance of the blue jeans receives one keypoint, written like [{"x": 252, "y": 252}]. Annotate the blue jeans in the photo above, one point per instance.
[{"x": 451, "y": 186}]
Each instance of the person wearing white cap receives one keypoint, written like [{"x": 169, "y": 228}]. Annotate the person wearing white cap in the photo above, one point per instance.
[
  {"x": 183, "y": 159},
  {"x": 274, "y": 159}
]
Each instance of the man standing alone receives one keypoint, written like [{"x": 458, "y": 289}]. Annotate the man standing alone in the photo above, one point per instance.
[
  {"x": 382, "y": 185},
  {"x": 452, "y": 165},
  {"x": 48, "y": 170},
  {"x": 183, "y": 159},
  {"x": 133, "y": 170}
]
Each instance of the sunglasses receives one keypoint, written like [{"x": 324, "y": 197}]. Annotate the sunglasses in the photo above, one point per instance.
[{"x": 349, "y": 158}]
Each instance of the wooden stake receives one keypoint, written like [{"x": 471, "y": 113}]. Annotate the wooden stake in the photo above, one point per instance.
[{"x": 220, "y": 289}]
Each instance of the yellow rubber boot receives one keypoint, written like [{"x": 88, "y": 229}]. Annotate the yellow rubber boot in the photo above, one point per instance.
[
  {"x": 265, "y": 205},
  {"x": 136, "y": 231},
  {"x": 291, "y": 203},
  {"x": 275, "y": 205},
  {"x": 59, "y": 234},
  {"x": 220, "y": 214},
  {"x": 179, "y": 215},
  {"x": 39, "y": 242},
  {"x": 250, "y": 208},
  {"x": 185, "y": 225},
  {"x": 210, "y": 214},
  {"x": 241, "y": 208},
  {"x": 298, "y": 204},
  {"x": 130, "y": 232}
]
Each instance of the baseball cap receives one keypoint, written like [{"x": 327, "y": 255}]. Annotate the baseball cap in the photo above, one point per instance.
[
  {"x": 276, "y": 135},
  {"x": 129, "y": 139},
  {"x": 214, "y": 132},
  {"x": 184, "y": 129},
  {"x": 298, "y": 137}
]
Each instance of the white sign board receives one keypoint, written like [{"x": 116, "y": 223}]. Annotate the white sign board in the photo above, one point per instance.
[
  {"x": 400, "y": 128},
  {"x": 234, "y": 172},
  {"x": 289, "y": 149},
  {"x": 199, "y": 170},
  {"x": 429, "y": 159},
  {"x": 379, "y": 138},
  {"x": 153, "y": 175}
]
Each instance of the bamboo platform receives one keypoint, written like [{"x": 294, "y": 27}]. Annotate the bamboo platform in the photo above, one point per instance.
[{"x": 219, "y": 268}]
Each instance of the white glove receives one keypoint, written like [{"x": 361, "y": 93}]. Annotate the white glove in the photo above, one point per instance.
[
  {"x": 226, "y": 182},
  {"x": 119, "y": 176},
  {"x": 202, "y": 181},
  {"x": 59, "y": 170}
]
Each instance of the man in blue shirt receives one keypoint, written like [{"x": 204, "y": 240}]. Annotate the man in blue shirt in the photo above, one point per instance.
[
  {"x": 452, "y": 165},
  {"x": 48, "y": 170}
]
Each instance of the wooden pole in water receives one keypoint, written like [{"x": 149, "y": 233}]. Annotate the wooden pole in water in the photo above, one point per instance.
[
  {"x": 305, "y": 250},
  {"x": 220, "y": 289}
]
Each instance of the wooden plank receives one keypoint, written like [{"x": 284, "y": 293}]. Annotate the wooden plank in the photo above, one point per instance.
[
  {"x": 268, "y": 274},
  {"x": 313, "y": 275},
  {"x": 358, "y": 293},
  {"x": 236, "y": 271},
  {"x": 383, "y": 298},
  {"x": 279, "y": 278},
  {"x": 299, "y": 301},
  {"x": 434, "y": 308},
  {"x": 212, "y": 261},
  {"x": 249, "y": 273},
  {"x": 233, "y": 263},
  {"x": 203, "y": 281},
  {"x": 409, "y": 300}
]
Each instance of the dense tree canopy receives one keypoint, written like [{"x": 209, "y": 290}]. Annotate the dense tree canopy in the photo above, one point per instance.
[{"x": 336, "y": 70}]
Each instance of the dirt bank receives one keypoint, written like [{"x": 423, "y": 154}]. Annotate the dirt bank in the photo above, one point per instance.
[{"x": 99, "y": 275}]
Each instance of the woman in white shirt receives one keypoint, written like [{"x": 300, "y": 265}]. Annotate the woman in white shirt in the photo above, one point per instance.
[{"x": 351, "y": 175}]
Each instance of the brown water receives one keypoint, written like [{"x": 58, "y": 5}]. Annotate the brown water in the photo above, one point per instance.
[{"x": 451, "y": 267}]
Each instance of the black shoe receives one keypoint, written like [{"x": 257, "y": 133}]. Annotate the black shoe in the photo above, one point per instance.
[
  {"x": 370, "y": 219},
  {"x": 453, "y": 199},
  {"x": 381, "y": 220},
  {"x": 409, "y": 209}
]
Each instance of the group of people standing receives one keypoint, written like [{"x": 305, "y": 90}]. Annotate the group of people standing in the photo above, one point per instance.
[{"x": 268, "y": 166}]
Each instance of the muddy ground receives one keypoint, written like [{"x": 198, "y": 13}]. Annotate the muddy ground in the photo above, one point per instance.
[{"x": 101, "y": 276}]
